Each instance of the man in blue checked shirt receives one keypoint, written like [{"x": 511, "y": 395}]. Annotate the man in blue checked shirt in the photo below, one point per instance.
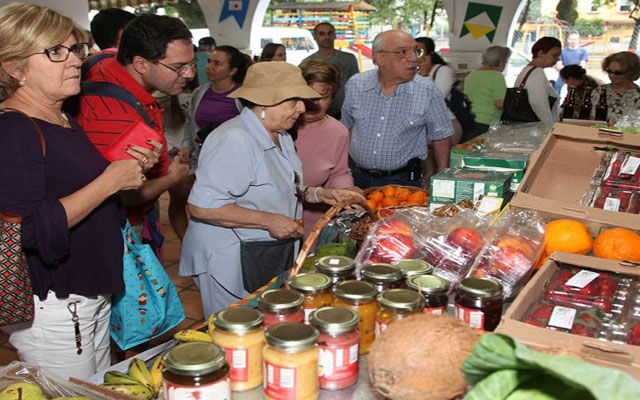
[{"x": 391, "y": 112}]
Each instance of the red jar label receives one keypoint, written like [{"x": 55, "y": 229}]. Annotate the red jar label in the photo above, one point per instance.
[
  {"x": 279, "y": 383},
  {"x": 238, "y": 360},
  {"x": 473, "y": 318},
  {"x": 219, "y": 390},
  {"x": 434, "y": 310},
  {"x": 338, "y": 362}
]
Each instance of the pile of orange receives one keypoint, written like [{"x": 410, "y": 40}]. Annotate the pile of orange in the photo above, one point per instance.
[{"x": 392, "y": 196}]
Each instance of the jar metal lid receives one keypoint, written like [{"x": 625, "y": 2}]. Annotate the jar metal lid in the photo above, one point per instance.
[
  {"x": 401, "y": 299},
  {"x": 310, "y": 282},
  {"x": 280, "y": 300},
  {"x": 334, "y": 319},
  {"x": 335, "y": 265},
  {"x": 428, "y": 284},
  {"x": 412, "y": 267},
  {"x": 238, "y": 319},
  {"x": 291, "y": 336},
  {"x": 355, "y": 290},
  {"x": 381, "y": 273},
  {"x": 480, "y": 287},
  {"x": 194, "y": 358}
]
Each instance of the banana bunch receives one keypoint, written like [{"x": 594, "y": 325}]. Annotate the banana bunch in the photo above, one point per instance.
[
  {"x": 191, "y": 335},
  {"x": 139, "y": 381},
  {"x": 210, "y": 326}
]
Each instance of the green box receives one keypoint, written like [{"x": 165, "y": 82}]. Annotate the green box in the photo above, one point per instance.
[
  {"x": 494, "y": 160},
  {"x": 454, "y": 184}
]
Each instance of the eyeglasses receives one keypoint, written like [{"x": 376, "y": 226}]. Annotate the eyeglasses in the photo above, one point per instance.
[
  {"x": 179, "y": 71},
  {"x": 405, "y": 53},
  {"x": 609, "y": 71},
  {"x": 60, "y": 53}
]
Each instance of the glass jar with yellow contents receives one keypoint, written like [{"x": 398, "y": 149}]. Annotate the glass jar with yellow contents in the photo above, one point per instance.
[
  {"x": 239, "y": 332},
  {"x": 291, "y": 362},
  {"x": 316, "y": 289},
  {"x": 281, "y": 305},
  {"x": 396, "y": 304},
  {"x": 359, "y": 296}
]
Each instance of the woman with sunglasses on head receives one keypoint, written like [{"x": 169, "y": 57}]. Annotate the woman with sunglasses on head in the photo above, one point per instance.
[
  {"x": 65, "y": 192},
  {"x": 541, "y": 93},
  {"x": 623, "y": 95},
  {"x": 249, "y": 188}
]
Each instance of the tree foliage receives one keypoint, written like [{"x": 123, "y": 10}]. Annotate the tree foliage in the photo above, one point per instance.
[{"x": 567, "y": 11}]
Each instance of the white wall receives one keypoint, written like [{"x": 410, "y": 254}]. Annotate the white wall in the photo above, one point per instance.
[{"x": 78, "y": 10}]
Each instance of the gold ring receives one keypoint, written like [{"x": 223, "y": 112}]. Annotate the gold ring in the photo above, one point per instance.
[
  {"x": 144, "y": 161},
  {"x": 144, "y": 178}
]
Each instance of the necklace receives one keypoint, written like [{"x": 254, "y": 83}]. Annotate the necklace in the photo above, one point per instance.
[{"x": 57, "y": 119}]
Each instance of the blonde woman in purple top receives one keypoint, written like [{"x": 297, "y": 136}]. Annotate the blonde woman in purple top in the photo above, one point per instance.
[{"x": 323, "y": 142}]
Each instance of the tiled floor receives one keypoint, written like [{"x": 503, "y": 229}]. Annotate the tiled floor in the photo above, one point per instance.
[{"x": 188, "y": 293}]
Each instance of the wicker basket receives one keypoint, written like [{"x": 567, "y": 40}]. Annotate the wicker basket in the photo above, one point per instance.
[{"x": 307, "y": 246}]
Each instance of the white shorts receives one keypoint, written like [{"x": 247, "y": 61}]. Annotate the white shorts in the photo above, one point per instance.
[{"x": 49, "y": 340}]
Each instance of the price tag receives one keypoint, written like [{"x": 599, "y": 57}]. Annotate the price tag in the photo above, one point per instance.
[
  {"x": 611, "y": 204},
  {"x": 334, "y": 261},
  {"x": 489, "y": 205},
  {"x": 630, "y": 165},
  {"x": 582, "y": 278},
  {"x": 562, "y": 317}
]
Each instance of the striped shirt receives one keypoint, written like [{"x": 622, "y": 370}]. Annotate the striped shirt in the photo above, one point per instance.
[{"x": 386, "y": 132}]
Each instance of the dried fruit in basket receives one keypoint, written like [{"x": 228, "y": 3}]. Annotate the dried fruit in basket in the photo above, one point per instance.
[{"x": 618, "y": 244}]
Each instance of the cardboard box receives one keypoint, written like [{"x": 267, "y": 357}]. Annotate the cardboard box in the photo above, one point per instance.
[
  {"x": 454, "y": 184},
  {"x": 494, "y": 160},
  {"x": 560, "y": 172},
  {"x": 609, "y": 354}
]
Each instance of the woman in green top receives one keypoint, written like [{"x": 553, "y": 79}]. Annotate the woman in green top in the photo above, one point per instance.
[{"x": 486, "y": 89}]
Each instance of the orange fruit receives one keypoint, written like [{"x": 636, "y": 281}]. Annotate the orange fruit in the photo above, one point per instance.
[
  {"x": 569, "y": 236},
  {"x": 389, "y": 201},
  {"x": 618, "y": 244},
  {"x": 418, "y": 197},
  {"x": 402, "y": 194},
  {"x": 373, "y": 205},
  {"x": 376, "y": 196},
  {"x": 389, "y": 191}
]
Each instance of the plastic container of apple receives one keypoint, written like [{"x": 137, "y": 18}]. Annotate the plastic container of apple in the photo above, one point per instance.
[{"x": 459, "y": 246}]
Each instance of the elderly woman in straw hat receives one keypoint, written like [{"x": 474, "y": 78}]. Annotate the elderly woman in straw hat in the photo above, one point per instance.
[{"x": 248, "y": 190}]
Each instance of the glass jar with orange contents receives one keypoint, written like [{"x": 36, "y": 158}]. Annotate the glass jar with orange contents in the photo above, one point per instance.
[
  {"x": 338, "y": 268},
  {"x": 338, "y": 343},
  {"x": 383, "y": 276},
  {"x": 316, "y": 289},
  {"x": 281, "y": 305},
  {"x": 291, "y": 362},
  {"x": 359, "y": 296},
  {"x": 396, "y": 304},
  {"x": 239, "y": 332}
]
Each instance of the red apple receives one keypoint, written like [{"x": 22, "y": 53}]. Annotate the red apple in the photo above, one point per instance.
[
  {"x": 394, "y": 246},
  {"x": 394, "y": 226},
  {"x": 468, "y": 239}
]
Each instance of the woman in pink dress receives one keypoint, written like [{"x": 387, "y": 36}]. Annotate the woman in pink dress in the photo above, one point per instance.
[{"x": 322, "y": 141}]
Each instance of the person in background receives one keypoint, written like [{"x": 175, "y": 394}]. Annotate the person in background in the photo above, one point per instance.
[
  {"x": 623, "y": 95},
  {"x": 249, "y": 184},
  {"x": 391, "y": 113},
  {"x": 434, "y": 67},
  {"x": 155, "y": 54},
  {"x": 175, "y": 117},
  {"x": 572, "y": 54},
  {"x": 322, "y": 141},
  {"x": 205, "y": 46},
  {"x": 273, "y": 52},
  {"x": 575, "y": 76},
  {"x": 325, "y": 35},
  {"x": 67, "y": 195},
  {"x": 106, "y": 28},
  {"x": 486, "y": 87},
  {"x": 541, "y": 93}
]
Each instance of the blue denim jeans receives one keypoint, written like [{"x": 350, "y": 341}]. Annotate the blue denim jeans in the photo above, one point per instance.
[{"x": 364, "y": 180}]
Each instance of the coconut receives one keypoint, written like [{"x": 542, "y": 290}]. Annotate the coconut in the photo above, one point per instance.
[{"x": 419, "y": 357}]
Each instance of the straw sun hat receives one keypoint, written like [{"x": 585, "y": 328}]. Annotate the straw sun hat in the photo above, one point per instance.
[{"x": 271, "y": 82}]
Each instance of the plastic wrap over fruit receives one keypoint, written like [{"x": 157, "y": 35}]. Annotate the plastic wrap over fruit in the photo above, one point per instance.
[
  {"x": 33, "y": 382},
  {"x": 512, "y": 251}
]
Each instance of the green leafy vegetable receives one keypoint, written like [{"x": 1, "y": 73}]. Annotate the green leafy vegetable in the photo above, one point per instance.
[{"x": 502, "y": 368}]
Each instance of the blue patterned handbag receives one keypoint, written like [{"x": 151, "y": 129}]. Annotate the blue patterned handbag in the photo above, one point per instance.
[{"x": 150, "y": 305}]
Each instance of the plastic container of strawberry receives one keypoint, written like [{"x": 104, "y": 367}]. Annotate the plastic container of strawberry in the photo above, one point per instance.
[
  {"x": 623, "y": 171},
  {"x": 587, "y": 322},
  {"x": 599, "y": 293},
  {"x": 612, "y": 199}
]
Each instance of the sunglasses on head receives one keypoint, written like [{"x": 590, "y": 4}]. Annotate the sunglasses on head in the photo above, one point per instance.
[{"x": 610, "y": 71}]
